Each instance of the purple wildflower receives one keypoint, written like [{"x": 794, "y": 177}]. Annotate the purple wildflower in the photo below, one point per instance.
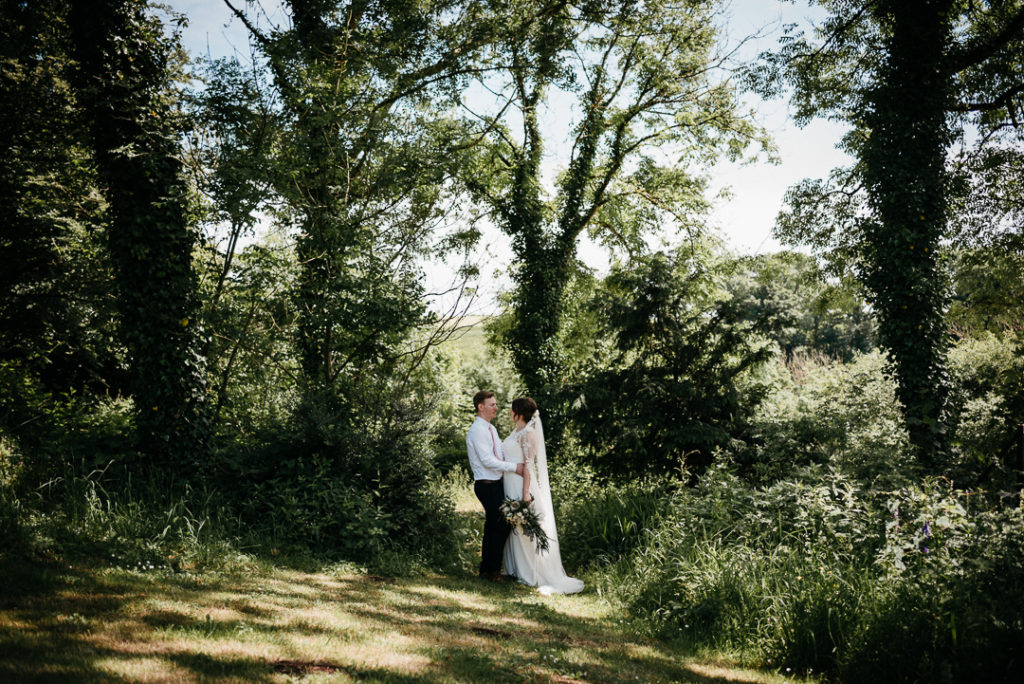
[{"x": 926, "y": 529}]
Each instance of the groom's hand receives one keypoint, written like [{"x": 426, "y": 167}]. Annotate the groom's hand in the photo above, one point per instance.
[{"x": 520, "y": 469}]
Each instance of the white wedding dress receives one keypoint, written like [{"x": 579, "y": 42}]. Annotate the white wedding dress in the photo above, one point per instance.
[{"x": 541, "y": 569}]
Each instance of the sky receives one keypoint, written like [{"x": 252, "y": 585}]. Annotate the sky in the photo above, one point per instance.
[{"x": 756, "y": 190}]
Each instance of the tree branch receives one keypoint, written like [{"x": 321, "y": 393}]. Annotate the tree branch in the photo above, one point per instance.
[
  {"x": 1002, "y": 101},
  {"x": 969, "y": 56}
]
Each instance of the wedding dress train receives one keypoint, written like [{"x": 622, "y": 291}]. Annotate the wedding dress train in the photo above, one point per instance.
[{"x": 541, "y": 569}]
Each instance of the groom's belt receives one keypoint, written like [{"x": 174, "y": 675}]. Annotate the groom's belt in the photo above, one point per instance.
[{"x": 490, "y": 481}]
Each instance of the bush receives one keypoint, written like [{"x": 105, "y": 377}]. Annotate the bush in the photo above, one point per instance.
[
  {"x": 341, "y": 486},
  {"x": 946, "y": 607},
  {"x": 604, "y": 524},
  {"x": 106, "y": 516},
  {"x": 823, "y": 412},
  {"x": 986, "y": 407},
  {"x": 11, "y": 533},
  {"x": 670, "y": 383},
  {"x": 820, "y": 573}
]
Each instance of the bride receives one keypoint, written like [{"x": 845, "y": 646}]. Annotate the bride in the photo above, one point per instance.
[{"x": 541, "y": 569}]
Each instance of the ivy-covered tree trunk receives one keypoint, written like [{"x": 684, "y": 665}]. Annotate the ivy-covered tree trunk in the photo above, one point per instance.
[
  {"x": 904, "y": 159},
  {"x": 541, "y": 276},
  {"x": 547, "y": 255},
  {"x": 124, "y": 72}
]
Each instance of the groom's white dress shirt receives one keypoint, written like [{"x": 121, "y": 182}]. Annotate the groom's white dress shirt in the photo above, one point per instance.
[{"x": 484, "y": 449}]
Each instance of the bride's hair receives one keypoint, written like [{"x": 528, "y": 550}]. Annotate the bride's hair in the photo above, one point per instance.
[{"x": 525, "y": 407}]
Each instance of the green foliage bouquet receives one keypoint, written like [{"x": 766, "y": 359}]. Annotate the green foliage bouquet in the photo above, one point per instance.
[{"x": 521, "y": 514}]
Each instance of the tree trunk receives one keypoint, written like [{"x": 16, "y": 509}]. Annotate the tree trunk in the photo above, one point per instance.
[
  {"x": 906, "y": 180},
  {"x": 123, "y": 55}
]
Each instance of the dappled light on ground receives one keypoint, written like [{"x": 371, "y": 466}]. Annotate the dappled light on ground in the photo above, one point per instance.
[{"x": 285, "y": 625}]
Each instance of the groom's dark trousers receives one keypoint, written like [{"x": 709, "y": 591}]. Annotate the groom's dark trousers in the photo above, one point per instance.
[{"x": 496, "y": 529}]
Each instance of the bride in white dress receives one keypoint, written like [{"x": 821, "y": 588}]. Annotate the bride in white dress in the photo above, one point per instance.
[{"x": 541, "y": 569}]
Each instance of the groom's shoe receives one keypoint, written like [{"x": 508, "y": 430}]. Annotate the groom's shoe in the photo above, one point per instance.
[{"x": 492, "y": 577}]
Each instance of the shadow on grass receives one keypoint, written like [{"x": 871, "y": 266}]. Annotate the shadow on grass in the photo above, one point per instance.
[
  {"x": 41, "y": 630},
  {"x": 63, "y": 625}
]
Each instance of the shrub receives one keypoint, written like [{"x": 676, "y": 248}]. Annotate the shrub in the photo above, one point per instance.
[
  {"x": 819, "y": 572},
  {"x": 604, "y": 524},
  {"x": 341, "y": 487},
  {"x": 823, "y": 412},
  {"x": 986, "y": 407},
  {"x": 670, "y": 385},
  {"x": 948, "y": 595}
]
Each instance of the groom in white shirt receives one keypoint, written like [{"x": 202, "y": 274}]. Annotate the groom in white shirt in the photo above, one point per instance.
[{"x": 488, "y": 465}]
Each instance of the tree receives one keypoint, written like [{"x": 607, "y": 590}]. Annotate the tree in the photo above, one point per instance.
[
  {"x": 56, "y": 318},
  {"x": 365, "y": 159},
  {"x": 231, "y": 155},
  {"x": 668, "y": 391},
  {"x": 909, "y": 77},
  {"x": 644, "y": 81},
  {"x": 124, "y": 82},
  {"x": 798, "y": 307}
]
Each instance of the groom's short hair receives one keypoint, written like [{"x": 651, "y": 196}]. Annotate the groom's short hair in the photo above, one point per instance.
[{"x": 480, "y": 397}]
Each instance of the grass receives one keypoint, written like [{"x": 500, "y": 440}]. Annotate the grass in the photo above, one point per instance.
[
  {"x": 276, "y": 625},
  {"x": 266, "y": 623}
]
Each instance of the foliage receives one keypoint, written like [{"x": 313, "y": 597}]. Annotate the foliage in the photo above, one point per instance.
[
  {"x": 605, "y": 523},
  {"x": 815, "y": 545},
  {"x": 814, "y": 573},
  {"x": 825, "y": 413},
  {"x": 987, "y": 292},
  {"x": 820, "y": 411},
  {"x": 127, "y": 64},
  {"x": 646, "y": 81},
  {"x": 57, "y": 327},
  {"x": 251, "y": 356},
  {"x": 669, "y": 392},
  {"x": 910, "y": 81},
  {"x": 798, "y": 308},
  {"x": 361, "y": 168},
  {"x": 987, "y": 402}
]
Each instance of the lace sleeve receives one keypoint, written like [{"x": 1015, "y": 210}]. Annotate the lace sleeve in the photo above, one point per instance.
[{"x": 528, "y": 442}]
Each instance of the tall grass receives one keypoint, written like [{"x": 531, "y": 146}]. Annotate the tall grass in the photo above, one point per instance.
[
  {"x": 832, "y": 584},
  {"x": 141, "y": 524}
]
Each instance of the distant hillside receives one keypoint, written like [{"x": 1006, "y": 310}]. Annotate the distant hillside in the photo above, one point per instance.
[{"x": 471, "y": 340}]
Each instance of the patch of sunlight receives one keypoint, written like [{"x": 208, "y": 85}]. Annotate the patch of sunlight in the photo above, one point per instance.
[
  {"x": 391, "y": 651},
  {"x": 640, "y": 651},
  {"x": 724, "y": 673},
  {"x": 141, "y": 669},
  {"x": 468, "y": 601},
  {"x": 466, "y": 501}
]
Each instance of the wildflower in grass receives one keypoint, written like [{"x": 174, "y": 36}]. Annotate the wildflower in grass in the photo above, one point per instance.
[{"x": 926, "y": 530}]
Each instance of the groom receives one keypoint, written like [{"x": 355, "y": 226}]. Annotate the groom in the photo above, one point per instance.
[{"x": 488, "y": 464}]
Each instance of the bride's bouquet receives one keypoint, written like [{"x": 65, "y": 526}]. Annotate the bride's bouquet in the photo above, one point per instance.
[{"x": 520, "y": 514}]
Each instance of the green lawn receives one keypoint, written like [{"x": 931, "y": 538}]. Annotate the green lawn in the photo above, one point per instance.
[
  {"x": 263, "y": 623},
  {"x": 76, "y": 624}
]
